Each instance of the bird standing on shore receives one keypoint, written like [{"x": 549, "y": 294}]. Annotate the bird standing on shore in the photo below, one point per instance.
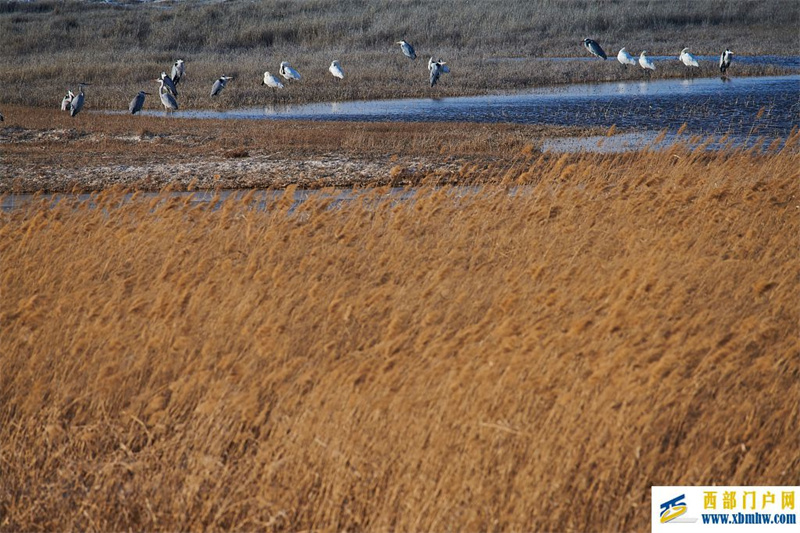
[
  {"x": 169, "y": 101},
  {"x": 407, "y": 49},
  {"x": 725, "y": 61},
  {"x": 168, "y": 84},
  {"x": 437, "y": 68},
  {"x": 645, "y": 62},
  {"x": 137, "y": 103},
  {"x": 688, "y": 60},
  {"x": 178, "y": 70},
  {"x": 594, "y": 48},
  {"x": 271, "y": 80},
  {"x": 220, "y": 84},
  {"x": 76, "y": 104},
  {"x": 67, "y": 100},
  {"x": 336, "y": 70},
  {"x": 288, "y": 72},
  {"x": 625, "y": 58}
]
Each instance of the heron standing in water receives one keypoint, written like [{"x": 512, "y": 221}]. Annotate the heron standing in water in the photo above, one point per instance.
[{"x": 725, "y": 61}]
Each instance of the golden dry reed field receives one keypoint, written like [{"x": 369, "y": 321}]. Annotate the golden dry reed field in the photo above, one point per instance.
[{"x": 525, "y": 355}]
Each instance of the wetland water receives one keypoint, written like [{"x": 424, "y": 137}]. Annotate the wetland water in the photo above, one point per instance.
[{"x": 740, "y": 107}]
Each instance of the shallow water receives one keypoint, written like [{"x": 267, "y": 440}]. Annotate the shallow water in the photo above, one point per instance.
[{"x": 768, "y": 106}]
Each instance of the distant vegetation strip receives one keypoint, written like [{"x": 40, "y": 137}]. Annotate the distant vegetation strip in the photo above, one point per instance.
[{"x": 51, "y": 45}]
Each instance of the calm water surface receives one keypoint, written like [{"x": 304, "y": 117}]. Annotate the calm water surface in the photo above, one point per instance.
[{"x": 768, "y": 106}]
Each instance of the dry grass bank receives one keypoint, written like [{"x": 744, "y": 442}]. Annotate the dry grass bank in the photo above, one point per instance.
[
  {"x": 52, "y": 45},
  {"x": 460, "y": 361}
]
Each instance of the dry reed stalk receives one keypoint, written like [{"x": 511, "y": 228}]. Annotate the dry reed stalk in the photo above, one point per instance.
[{"x": 503, "y": 357}]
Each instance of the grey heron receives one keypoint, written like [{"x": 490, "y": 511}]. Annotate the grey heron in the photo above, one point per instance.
[
  {"x": 645, "y": 62},
  {"x": 137, "y": 103},
  {"x": 688, "y": 60},
  {"x": 407, "y": 49},
  {"x": 625, "y": 58},
  {"x": 168, "y": 84},
  {"x": 594, "y": 48},
  {"x": 336, "y": 70},
  {"x": 220, "y": 84},
  {"x": 67, "y": 100},
  {"x": 77, "y": 102},
  {"x": 436, "y": 68},
  {"x": 288, "y": 72},
  {"x": 169, "y": 101},
  {"x": 178, "y": 70},
  {"x": 725, "y": 60}
]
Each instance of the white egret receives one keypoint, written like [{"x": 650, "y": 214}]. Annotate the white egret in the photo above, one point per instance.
[
  {"x": 169, "y": 101},
  {"x": 688, "y": 59},
  {"x": 288, "y": 72},
  {"x": 271, "y": 80},
  {"x": 67, "y": 100},
  {"x": 407, "y": 49},
  {"x": 76, "y": 104},
  {"x": 178, "y": 70},
  {"x": 336, "y": 70},
  {"x": 137, "y": 103},
  {"x": 220, "y": 84},
  {"x": 594, "y": 48},
  {"x": 725, "y": 60},
  {"x": 168, "y": 84},
  {"x": 645, "y": 62},
  {"x": 625, "y": 58}
]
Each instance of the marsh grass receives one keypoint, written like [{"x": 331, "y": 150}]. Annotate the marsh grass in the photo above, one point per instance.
[
  {"x": 575, "y": 331},
  {"x": 50, "y": 46}
]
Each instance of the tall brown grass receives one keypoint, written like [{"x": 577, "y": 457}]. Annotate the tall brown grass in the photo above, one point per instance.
[{"x": 531, "y": 354}]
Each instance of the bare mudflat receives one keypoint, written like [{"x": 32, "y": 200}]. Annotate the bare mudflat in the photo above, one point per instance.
[{"x": 45, "y": 150}]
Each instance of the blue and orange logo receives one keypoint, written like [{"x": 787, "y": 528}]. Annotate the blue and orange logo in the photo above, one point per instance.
[{"x": 673, "y": 508}]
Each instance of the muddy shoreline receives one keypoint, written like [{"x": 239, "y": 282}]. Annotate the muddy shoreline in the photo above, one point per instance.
[{"x": 45, "y": 150}]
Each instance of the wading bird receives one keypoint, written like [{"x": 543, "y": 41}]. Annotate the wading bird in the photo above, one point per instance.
[
  {"x": 407, "y": 49},
  {"x": 725, "y": 61},
  {"x": 178, "y": 70},
  {"x": 67, "y": 100},
  {"x": 168, "y": 84},
  {"x": 288, "y": 72},
  {"x": 688, "y": 59},
  {"x": 77, "y": 101},
  {"x": 169, "y": 101},
  {"x": 220, "y": 84},
  {"x": 594, "y": 48},
  {"x": 625, "y": 58},
  {"x": 336, "y": 70},
  {"x": 1, "y": 117},
  {"x": 644, "y": 62},
  {"x": 137, "y": 103},
  {"x": 437, "y": 68}
]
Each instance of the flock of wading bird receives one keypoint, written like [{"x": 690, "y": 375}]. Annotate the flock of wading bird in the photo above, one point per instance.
[{"x": 168, "y": 84}]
